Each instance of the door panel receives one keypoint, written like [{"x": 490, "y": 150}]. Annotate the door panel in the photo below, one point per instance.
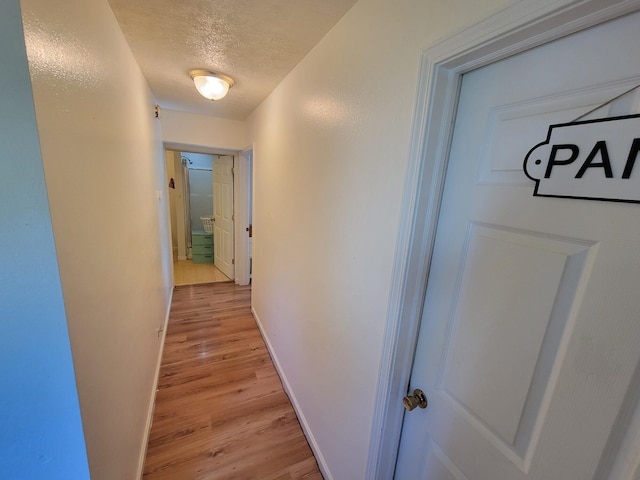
[
  {"x": 528, "y": 342},
  {"x": 223, "y": 214},
  {"x": 480, "y": 309},
  {"x": 509, "y": 126}
]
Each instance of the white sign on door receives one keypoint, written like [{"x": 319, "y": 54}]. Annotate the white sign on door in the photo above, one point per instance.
[{"x": 593, "y": 159}]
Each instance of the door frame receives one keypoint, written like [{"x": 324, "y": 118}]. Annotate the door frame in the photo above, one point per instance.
[
  {"x": 241, "y": 204},
  {"x": 242, "y": 210},
  {"x": 517, "y": 28}
]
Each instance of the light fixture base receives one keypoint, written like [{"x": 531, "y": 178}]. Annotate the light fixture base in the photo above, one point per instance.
[{"x": 200, "y": 72}]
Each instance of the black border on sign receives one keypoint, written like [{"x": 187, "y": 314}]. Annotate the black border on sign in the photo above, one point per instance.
[{"x": 546, "y": 142}]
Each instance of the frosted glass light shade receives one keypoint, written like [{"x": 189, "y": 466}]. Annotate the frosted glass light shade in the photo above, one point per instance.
[{"x": 213, "y": 86}]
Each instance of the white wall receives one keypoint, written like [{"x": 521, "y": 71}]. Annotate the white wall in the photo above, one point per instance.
[
  {"x": 331, "y": 146},
  {"x": 190, "y": 129},
  {"x": 41, "y": 430},
  {"x": 104, "y": 170}
]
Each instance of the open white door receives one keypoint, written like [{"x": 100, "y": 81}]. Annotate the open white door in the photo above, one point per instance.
[
  {"x": 528, "y": 349},
  {"x": 223, "y": 214}
]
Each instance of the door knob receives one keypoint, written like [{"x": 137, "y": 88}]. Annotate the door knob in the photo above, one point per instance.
[{"x": 418, "y": 399}]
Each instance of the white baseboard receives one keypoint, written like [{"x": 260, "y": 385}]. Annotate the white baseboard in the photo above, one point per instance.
[
  {"x": 152, "y": 401},
  {"x": 322, "y": 464}
]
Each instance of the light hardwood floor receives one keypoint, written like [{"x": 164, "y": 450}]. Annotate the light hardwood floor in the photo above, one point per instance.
[
  {"x": 185, "y": 272},
  {"x": 221, "y": 411}
]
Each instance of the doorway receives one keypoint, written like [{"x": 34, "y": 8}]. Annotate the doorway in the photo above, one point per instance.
[
  {"x": 441, "y": 71},
  {"x": 191, "y": 201},
  {"x": 523, "y": 292}
]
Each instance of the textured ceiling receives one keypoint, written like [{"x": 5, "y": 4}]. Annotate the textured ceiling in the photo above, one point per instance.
[{"x": 256, "y": 42}]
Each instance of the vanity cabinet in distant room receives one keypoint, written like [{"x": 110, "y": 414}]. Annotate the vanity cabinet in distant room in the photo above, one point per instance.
[{"x": 201, "y": 246}]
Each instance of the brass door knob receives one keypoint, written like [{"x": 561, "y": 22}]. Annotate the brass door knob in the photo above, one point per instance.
[{"x": 418, "y": 399}]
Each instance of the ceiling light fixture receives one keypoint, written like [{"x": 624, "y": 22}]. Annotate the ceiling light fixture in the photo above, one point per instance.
[{"x": 211, "y": 85}]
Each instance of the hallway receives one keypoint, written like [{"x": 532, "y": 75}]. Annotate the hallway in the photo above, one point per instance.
[{"x": 220, "y": 408}]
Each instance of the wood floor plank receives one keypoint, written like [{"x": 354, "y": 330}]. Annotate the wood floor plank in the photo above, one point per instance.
[{"x": 221, "y": 412}]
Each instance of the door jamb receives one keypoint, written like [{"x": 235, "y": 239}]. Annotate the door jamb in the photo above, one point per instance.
[
  {"x": 242, "y": 208},
  {"x": 517, "y": 28}
]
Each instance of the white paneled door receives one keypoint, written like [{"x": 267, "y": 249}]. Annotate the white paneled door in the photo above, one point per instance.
[
  {"x": 223, "y": 246},
  {"x": 529, "y": 345}
]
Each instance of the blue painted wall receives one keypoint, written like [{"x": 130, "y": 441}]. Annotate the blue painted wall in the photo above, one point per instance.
[{"x": 40, "y": 426}]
